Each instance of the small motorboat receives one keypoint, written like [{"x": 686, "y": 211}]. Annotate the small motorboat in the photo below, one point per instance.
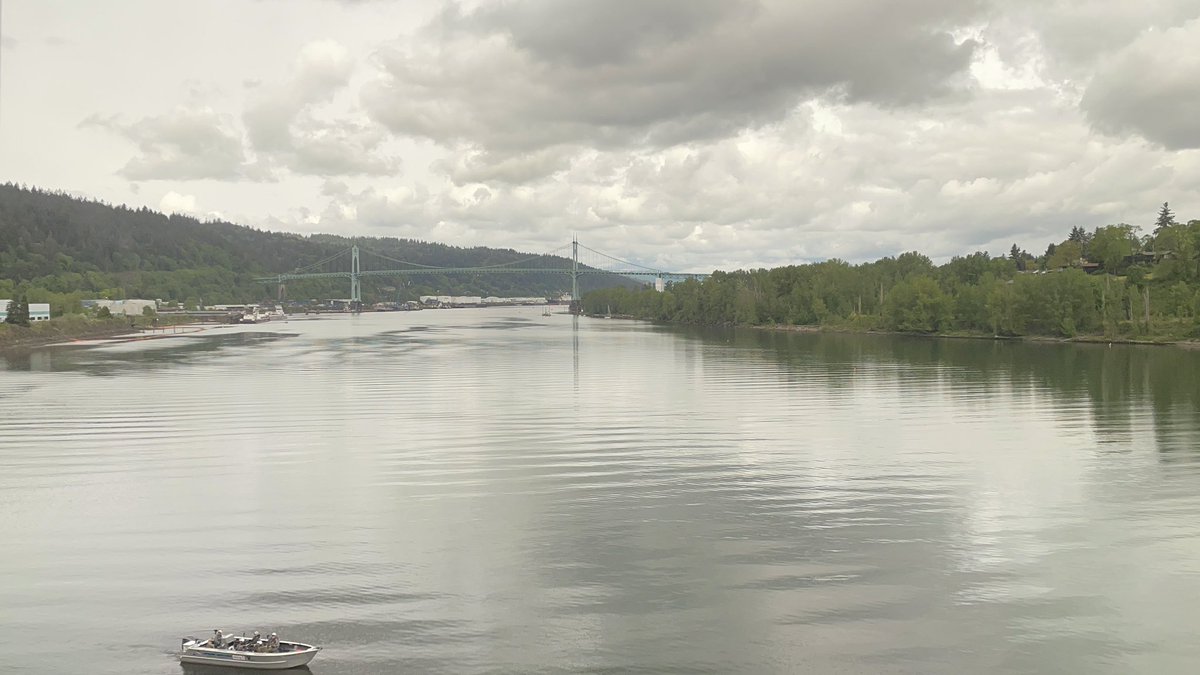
[{"x": 240, "y": 651}]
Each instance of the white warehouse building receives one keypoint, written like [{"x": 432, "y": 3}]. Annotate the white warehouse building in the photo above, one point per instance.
[
  {"x": 126, "y": 307},
  {"x": 38, "y": 311}
]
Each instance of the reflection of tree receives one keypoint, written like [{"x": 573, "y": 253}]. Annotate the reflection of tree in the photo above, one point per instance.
[{"x": 1116, "y": 385}]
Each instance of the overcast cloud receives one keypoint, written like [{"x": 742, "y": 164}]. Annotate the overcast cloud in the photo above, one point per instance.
[
  {"x": 182, "y": 144},
  {"x": 691, "y": 134}
]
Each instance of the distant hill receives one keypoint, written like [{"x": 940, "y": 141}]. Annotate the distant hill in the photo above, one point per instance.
[{"x": 61, "y": 248}]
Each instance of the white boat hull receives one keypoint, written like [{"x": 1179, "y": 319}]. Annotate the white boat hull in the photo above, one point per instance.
[{"x": 252, "y": 660}]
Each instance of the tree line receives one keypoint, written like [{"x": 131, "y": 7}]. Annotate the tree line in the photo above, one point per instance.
[
  {"x": 60, "y": 249},
  {"x": 1112, "y": 282}
]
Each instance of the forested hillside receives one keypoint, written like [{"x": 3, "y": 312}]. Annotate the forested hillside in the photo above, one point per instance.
[
  {"x": 1110, "y": 282},
  {"x": 1113, "y": 281},
  {"x": 57, "y": 248}
]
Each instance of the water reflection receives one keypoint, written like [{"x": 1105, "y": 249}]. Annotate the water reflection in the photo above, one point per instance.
[
  {"x": 149, "y": 353},
  {"x": 1124, "y": 391},
  {"x": 467, "y": 492},
  {"x": 198, "y": 669}
]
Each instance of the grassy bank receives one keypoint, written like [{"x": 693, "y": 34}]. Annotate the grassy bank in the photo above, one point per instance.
[{"x": 60, "y": 329}]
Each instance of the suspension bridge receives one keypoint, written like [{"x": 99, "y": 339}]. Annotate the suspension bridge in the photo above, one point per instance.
[{"x": 597, "y": 263}]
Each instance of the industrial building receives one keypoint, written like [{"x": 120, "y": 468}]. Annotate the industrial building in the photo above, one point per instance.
[
  {"x": 126, "y": 307},
  {"x": 38, "y": 311}
]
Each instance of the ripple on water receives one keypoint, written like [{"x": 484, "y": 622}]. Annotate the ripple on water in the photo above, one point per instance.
[{"x": 431, "y": 494}]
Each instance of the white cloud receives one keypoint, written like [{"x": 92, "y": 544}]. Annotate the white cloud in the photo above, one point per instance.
[
  {"x": 522, "y": 77},
  {"x": 181, "y": 144},
  {"x": 173, "y": 202},
  {"x": 186, "y": 205},
  {"x": 1151, "y": 87},
  {"x": 285, "y": 130},
  {"x": 875, "y": 183},
  {"x": 703, "y": 134}
]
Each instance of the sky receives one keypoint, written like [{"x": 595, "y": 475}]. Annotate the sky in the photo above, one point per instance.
[{"x": 686, "y": 135}]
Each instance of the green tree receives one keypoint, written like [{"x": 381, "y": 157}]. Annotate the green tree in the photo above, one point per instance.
[
  {"x": 918, "y": 305},
  {"x": 1081, "y": 237},
  {"x": 1001, "y": 308},
  {"x": 1111, "y": 245},
  {"x": 1049, "y": 250},
  {"x": 965, "y": 271},
  {"x": 1067, "y": 254},
  {"x": 1165, "y": 218},
  {"x": 1139, "y": 276},
  {"x": 1057, "y": 303},
  {"x": 1178, "y": 246},
  {"x": 17, "y": 311}
]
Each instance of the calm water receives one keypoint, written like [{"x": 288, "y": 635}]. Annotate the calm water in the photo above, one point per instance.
[{"x": 494, "y": 491}]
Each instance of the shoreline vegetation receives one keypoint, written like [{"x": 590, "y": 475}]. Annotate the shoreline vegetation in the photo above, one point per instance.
[
  {"x": 70, "y": 328},
  {"x": 1153, "y": 341},
  {"x": 76, "y": 327},
  {"x": 1112, "y": 285},
  {"x": 1045, "y": 339},
  {"x": 61, "y": 329},
  {"x": 1036, "y": 339},
  {"x": 1055, "y": 321}
]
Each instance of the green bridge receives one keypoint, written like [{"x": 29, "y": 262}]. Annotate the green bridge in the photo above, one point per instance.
[{"x": 356, "y": 273}]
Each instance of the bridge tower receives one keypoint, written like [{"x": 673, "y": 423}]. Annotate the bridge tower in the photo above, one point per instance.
[
  {"x": 576, "y": 305},
  {"x": 355, "y": 283}
]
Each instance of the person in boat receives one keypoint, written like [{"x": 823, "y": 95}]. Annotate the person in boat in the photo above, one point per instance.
[
  {"x": 273, "y": 643},
  {"x": 255, "y": 641},
  {"x": 218, "y": 639}
]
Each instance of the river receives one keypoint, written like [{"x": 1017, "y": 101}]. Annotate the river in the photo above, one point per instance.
[{"x": 496, "y": 491}]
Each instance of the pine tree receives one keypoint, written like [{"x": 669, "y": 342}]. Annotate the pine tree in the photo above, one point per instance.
[
  {"x": 1165, "y": 219},
  {"x": 18, "y": 311},
  {"x": 1018, "y": 256}
]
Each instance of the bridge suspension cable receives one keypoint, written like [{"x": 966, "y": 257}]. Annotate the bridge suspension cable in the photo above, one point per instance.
[
  {"x": 481, "y": 267},
  {"x": 323, "y": 261},
  {"x": 576, "y": 269},
  {"x": 626, "y": 262}
]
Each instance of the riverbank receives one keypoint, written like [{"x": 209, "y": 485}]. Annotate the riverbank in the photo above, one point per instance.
[
  {"x": 1079, "y": 339},
  {"x": 76, "y": 328},
  {"x": 1160, "y": 341},
  {"x": 59, "y": 329}
]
